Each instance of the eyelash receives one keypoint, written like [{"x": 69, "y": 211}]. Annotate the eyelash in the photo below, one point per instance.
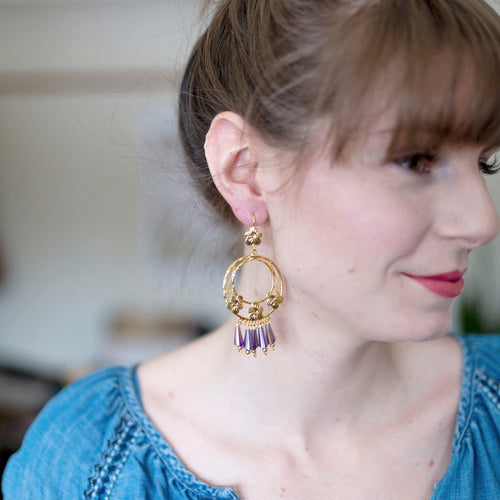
[
  {"x": 422, "y": 163},
  {"x": 490, "y": 168}
]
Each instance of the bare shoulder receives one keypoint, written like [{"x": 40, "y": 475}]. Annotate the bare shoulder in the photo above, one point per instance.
[{"x": 172, "y": 376}]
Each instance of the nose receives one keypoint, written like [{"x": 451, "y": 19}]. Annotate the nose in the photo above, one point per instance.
[{"x": 467, "y": 212}]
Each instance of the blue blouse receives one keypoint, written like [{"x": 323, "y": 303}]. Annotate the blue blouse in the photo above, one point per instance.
[{"x": 94, "y": 441}]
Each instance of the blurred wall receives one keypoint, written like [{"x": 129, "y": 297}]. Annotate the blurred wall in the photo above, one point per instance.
[{"x": 87, "y": 95}]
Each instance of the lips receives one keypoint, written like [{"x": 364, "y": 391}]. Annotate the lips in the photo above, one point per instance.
[{"x": 446, "y": 285}]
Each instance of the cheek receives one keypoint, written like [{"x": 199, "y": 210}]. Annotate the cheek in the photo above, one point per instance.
[
  {"x": 363, "y": 226},
  {"x": 389, "y": 231},
  {"x": 346, "y": 227}
]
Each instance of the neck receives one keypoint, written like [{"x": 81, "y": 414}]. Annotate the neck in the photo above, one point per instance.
[{"x": 316, "y": 380}]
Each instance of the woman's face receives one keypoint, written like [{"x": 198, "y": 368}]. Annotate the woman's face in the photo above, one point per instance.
[{"x": 367, "y": 245}]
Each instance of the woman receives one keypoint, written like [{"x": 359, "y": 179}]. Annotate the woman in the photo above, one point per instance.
[{"x": 352, "y": 136}]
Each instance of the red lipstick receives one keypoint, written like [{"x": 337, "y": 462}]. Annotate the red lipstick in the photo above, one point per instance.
[{"x": 446, "y": 285}]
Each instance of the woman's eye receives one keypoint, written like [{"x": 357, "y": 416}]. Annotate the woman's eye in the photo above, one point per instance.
[{"x": 419, "y": 163}]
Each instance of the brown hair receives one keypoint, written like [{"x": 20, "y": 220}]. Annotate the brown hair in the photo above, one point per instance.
[{"x": 281, "y": 64}]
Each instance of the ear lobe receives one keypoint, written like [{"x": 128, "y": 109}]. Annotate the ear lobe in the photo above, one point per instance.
[{"x": 231, "y": 151}]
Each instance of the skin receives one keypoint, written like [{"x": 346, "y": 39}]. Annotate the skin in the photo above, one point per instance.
[{"x": 351, "y": 404}]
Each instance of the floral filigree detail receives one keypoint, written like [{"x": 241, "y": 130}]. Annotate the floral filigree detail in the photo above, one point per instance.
[
  {"x": 274, "y": 301},
  {"x": 235, "y": 303},
  {"x": 253, "y": 236},
  {"x": 255, "y": 312}
]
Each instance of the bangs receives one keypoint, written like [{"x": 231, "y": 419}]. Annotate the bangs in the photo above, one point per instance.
[
  {"x": 450, "y": 90},
  {"x": 434, "y": 64}
]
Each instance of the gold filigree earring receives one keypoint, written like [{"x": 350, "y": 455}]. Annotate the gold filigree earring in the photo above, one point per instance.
[{"x": 253, "y": 329}]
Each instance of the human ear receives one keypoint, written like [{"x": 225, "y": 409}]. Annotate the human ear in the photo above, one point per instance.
[{"x": 232, "y": 153}]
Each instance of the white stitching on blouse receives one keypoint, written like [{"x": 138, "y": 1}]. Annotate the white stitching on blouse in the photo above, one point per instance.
[
  {"x": 490, "y": 387},
  {"x": 112, "y": 461}
]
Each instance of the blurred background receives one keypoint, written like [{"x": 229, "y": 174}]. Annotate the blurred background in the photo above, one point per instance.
[{"x": 106, "y": 254}]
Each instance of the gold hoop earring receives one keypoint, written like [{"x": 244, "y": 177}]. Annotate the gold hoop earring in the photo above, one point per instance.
[{"x": 253, "y": 317}]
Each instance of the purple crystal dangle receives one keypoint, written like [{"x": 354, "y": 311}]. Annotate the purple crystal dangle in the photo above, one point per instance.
[
  {"x": 270, "y": 335},
  {"x": 238, "y": 339},
  {"x": 255, "y": 341},
  {"x": 251, "y": 341},
  {"x": 263, "y": 338}
]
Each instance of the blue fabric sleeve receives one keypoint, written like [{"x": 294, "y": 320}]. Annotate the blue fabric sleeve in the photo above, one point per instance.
[
  {"x": 474, "y": 471},
  {"x": 64, "y": 442}
]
